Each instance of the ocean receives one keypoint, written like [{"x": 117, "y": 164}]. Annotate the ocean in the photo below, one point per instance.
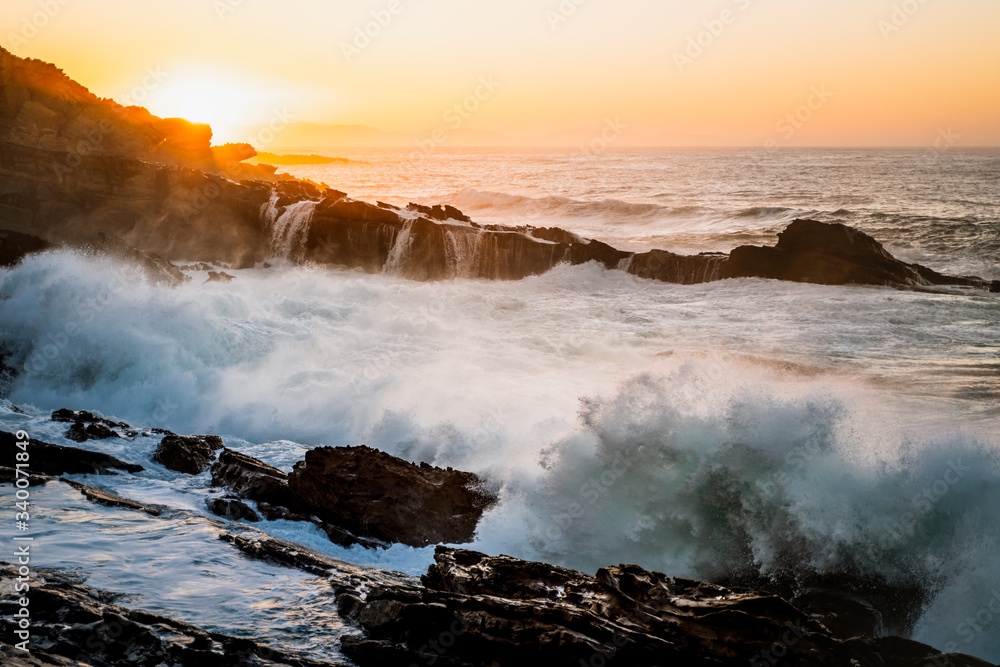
[{"x": 740, "y": 425}]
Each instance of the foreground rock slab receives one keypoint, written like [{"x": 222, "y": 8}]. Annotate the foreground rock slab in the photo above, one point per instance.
[
  {"x": 377, "y": 495},
  {"x": 474, "y": 610}
]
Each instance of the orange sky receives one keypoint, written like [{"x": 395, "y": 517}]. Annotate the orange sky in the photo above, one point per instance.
[{"x": 786, "y": 72}]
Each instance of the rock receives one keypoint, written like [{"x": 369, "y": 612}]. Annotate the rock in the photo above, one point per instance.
[
  {"x": 154, "y": 190},
  {"x": 58, "y": 460},
  {"x": 85, "y": 417},
  {"x": 87, "y": 426},
  {"x": 10, "y": 476},
  {"x": 810, "y": 251},
  {"x": 73, "y": 624},
  {"x": 351, "y": 583},
  {"x": 107, "y": 498},
  {"x": 252, "y": 479},
  {"x": 232, "y": 508},
  {"x": 473, "y": 609},
  {"x": 80, "y": 432},
  {"x": 282, "y": 553},
  {"x": 376, "y": 495},
  {"x": 191, "y": 455},
  {"x": 15, "y": 246},
  {"x": 219, "y": 277},
  {"x": 439, "y": 212}
]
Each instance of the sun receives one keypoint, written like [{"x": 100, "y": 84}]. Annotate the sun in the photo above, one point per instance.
[{"x": 223, "y": 104}]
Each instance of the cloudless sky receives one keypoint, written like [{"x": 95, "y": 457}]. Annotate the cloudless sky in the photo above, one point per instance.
[{"x": 237, "y": 62}]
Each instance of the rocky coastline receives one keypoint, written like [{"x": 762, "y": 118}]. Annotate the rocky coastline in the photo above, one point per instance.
[
  {"x": 83, "y": 172},
  {"x": 469, "y": 609}
]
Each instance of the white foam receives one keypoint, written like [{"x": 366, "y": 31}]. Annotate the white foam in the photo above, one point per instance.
[{"x": 541, "y": 385}]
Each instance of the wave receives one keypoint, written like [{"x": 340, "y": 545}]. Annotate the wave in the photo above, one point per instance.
[
  {"x": 576, "y": 392},
  {"x": 487, "y": 202}
]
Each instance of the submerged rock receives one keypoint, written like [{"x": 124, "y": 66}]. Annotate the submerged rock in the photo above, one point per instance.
[
  {"x": 52, "y": 459},
  {"x": 111, "y": 499},
  {"x": 374, "y": 494},
  {"x": 232, "y": 508},
  {"x": 475, "y": 610},
  {"x": 188, "y": 454}
]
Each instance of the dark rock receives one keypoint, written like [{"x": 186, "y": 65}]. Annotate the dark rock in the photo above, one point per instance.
[
  {"x": 72, "y": 624},
  {"x": 113, "y": 500},
  {"x": 85, "y": 417},
  {"x": 810, "y": 251},
  {"x": 682, "y": 269},
  {"x": 10, "y": 476},
  {"x": 58, "y": 460},
  {"x": 191, "y": 455},
  {"x": 15, "y": 246},
  {"x": 376, "y": 495},
  {"x": 154, "y": 190},
  {"x": 80, "y": 432},
  {"x": 252, "y": 479},
  {"x": 439, "y": 212},
  {"x": 473, "y": 608},
  {"x": 232, "y": 508},
  {"x": 219, "y": 277},
  {"x": 277, "y": 551}
]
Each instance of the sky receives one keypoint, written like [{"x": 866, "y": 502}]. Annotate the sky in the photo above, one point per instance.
[{"x": 630, "y": 72}]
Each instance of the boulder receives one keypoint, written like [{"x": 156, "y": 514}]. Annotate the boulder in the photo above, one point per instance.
[
  {"x": 80, "y": 432},
  {"x": 373, "y": 494},
  {"x": 825, "y": 253},
  {"x": 251, "y": 478},
  {"x": 188, "y": 454},
  {"x": 474, "y": 609},
  {"x": 87, "y": 426},
  {"x": 232, "y": 508},
  {"x": 52, "y": 459}
]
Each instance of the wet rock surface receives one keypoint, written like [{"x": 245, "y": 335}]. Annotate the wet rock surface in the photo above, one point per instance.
[
  {"x": 87, "y": 426},
  {"x": 373, "y": 494},
  {"x": 112, "y": 500},
  {"x": 188, "y": 454},
  {"x": 73, "y": 624},
  {"x": 155, "y": 191},
  {"x": 232, "y": 508},
  {"x": 251, "y": 478},
  {"x": 472, "y": 609},
  {"x": 52, "y": 459}
]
